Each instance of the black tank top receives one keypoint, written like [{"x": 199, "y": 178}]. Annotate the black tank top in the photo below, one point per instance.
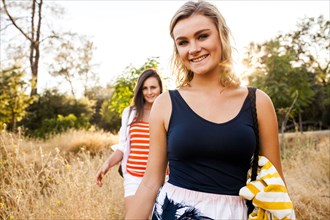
[{"x": 205, "y": 156}]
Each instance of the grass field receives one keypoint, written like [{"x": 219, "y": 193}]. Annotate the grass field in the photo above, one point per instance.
[{"x": 56, "y": 179}]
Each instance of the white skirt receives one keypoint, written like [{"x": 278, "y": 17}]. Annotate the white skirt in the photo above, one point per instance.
[{"x": 178, "y": 203}]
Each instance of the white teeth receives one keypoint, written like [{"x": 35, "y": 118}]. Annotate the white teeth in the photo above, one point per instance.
[{"x": 199, "y": 58}]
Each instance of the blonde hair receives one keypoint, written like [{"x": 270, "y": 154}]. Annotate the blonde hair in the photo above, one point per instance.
[{"x": 226, "y": 74}]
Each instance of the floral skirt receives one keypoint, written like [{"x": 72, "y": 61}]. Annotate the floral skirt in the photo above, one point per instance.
[{"x": 174, "y": 203}]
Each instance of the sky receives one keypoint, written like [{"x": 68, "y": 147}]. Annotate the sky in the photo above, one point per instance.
[{"x": 129, "y": 32}]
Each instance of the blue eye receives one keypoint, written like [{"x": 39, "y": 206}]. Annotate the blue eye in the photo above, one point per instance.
[{"x": 203, "y": 36}]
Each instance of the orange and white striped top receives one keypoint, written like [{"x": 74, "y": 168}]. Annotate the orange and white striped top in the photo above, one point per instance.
[{"x": 138, "y": 156}]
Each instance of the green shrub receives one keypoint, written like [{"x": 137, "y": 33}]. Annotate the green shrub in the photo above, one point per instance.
[
  {"x": 61, "y": 124},
  {"x": 54, "y": 113}
]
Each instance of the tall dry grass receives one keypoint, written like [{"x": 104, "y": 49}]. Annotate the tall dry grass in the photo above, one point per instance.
[
  {"x": 53, "y": 180},
  {"x": 306, "y": 166},
  {"x": 56, "y": 179}
]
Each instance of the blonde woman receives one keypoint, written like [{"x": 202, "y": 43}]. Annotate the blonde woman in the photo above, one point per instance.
[{"x": 204, "y": 129}]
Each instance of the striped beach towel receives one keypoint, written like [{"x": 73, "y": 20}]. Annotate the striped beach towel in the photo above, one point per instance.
[{"x": 268, "y": 194}]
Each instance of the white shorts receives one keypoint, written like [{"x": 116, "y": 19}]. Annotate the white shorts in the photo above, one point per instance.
[
  {"x": 131, "y": 184},
  {"x": 175, "y": 202}
]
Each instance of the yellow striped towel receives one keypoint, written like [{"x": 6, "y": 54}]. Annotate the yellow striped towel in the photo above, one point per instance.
[{"x": 268, "y": 194}]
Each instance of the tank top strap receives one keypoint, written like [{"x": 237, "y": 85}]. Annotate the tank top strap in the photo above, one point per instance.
[{"x": 177, "y": 101}]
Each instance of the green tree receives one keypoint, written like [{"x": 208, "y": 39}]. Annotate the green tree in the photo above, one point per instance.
[
  {"x": 123, "y": 94},
  {"x": 293, "y": 68},
  {"x": 274, "y": 74},
  {"x": 33, "y": 46},
  {"x": 73, "y": 62},
  {"x": 310, "y": 42},
  {"x": 13, "y": 97},
  {"x": 99, "y": 95},
  {"x": 61, "y": 124},
  {"x": 58, "y": 111}
]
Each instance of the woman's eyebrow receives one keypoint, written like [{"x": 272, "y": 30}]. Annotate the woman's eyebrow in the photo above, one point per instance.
[{"x": 195, "y": 34}]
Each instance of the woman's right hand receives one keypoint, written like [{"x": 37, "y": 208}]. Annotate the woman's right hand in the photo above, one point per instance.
[
  {"x": 114, "y": 158},
  {"x": 99, "y": 176}
]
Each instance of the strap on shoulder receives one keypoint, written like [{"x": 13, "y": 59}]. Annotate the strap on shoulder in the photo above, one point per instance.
[
  {"x": 254, "y": 163},
  {"x": 252, "y": 97}
]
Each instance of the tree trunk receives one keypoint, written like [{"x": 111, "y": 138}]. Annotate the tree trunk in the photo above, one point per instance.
[
  {"x": 34, "y": 48},
  {"x": 33, "y": 38},
  {"x": 12, "y": 125},
  {"x": 300, "y": 123}
]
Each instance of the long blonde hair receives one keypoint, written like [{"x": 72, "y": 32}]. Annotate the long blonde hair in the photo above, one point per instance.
[{"x": 226, "y": 74}]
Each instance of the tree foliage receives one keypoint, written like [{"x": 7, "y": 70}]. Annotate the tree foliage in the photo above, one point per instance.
[
  {"x": 294, "y": 75},
  {"x": 310, "y": 42},
  {"x": 57, "y": 111},
  {"x": 99, "y": 95},
  {"x": 61, "y": 124},
  {"x": 13, "y": 97},
  {"x": 277, "y": 77},
  {"x": 123, "y": 94},
  {"x": 30, "y": 36},
  {"x": 73, "y": 62}
]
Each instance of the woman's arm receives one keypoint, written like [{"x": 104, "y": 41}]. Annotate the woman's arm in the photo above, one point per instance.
[
  {"x": 153, "y": 179},
  {"x": 112, "y": 160},
  {"x": 117, "y": 156},
  {"x": 268, "y": 130}
]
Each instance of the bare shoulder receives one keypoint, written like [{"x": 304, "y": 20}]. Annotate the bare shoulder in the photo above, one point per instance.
[
  {"x": 162, "y": 101},
  {"x": 262, "y": 99},
  {"x": 264, "y": 104},
  {"x": 162, "y": 109}
]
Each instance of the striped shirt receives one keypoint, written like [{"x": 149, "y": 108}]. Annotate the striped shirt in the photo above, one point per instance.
[{"x": 138, "y": 156}]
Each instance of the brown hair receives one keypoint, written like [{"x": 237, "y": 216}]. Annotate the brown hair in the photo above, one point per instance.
[
  {"x": 184, "y": 75},
  {"x": 138, "y": 99}
]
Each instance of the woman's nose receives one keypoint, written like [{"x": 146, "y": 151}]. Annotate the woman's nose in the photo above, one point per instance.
[{"x": 194, "y": 48}]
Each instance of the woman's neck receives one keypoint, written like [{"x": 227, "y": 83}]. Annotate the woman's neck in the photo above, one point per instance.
[
  {"x": 147, "y": 106},
  {"x": 206, "y": 82}
]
